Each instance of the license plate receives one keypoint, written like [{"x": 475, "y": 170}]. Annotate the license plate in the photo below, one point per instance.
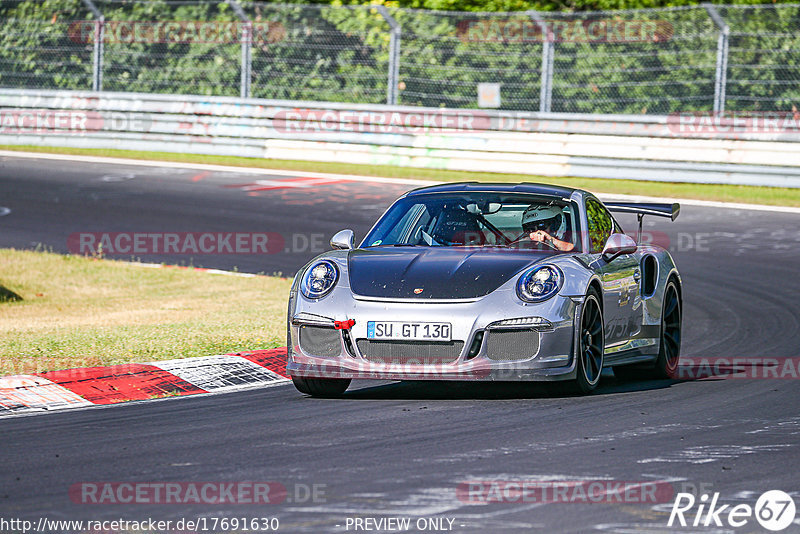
[{"x": 408, "y": 331}]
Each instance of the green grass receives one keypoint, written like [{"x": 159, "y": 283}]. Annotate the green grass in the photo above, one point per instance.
[
  {"x": 727, "y": 193},
  {"x": 60, "y": 312}
]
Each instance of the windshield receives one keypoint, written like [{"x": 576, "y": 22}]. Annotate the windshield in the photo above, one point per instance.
[{"x": 479, "y": 220}]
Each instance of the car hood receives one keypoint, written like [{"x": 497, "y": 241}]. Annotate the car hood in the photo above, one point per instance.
[{"x": 435, "y": 272}]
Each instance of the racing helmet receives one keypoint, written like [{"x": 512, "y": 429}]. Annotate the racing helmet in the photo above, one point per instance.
[{"x": 542, "y": 217}]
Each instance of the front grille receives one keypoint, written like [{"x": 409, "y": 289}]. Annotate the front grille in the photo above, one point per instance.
[
  {"x": 512, "y": 345},
  {"x": 318, "y": 341},
  {"x": 410, "y": 352}
]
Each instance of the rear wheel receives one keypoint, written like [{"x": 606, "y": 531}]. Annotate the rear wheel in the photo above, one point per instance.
[
  {"x": 591, "y": 345},
  {"x": 669, "y": 353},
  {"x": 321, "y": 387},
  {"x": 666, "y": 364}
]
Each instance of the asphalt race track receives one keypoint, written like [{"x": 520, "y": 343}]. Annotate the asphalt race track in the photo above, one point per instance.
[
  {"x": 51, "y": 200},
  {"x": 404, "y": 449}
]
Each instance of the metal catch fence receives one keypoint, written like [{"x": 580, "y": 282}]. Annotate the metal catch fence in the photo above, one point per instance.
[{"x": 707, "y": 58}]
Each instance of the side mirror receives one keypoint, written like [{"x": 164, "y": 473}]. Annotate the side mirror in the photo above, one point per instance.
[
  {"x": 343, "y": 240},
  {"x": 617, "y": 245}
]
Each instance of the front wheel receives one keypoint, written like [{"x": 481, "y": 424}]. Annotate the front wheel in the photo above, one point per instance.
[
  {"x": 591, "y": 345},
  {"x": 321, "y": 387}
]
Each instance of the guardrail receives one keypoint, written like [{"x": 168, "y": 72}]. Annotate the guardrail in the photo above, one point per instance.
[{"x": 679, "y": 148}]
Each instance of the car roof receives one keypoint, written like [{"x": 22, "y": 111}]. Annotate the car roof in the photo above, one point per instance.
[{"x": 525, "y": 187}]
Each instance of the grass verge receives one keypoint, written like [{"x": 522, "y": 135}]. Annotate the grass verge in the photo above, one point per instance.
[
  {"x": 60, "y": 312},
  {"x": 775, "y": 196}
]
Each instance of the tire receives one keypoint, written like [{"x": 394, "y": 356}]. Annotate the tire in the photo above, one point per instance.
[
  {"x": 317, "y": 387},
  {"x": 321, "y": 387},
  {"x": 591, "y": 339},
  {"x": 669, "y": 351}
]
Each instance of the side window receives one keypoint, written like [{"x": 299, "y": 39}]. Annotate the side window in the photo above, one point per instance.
[{"x": 601, "y": 224}]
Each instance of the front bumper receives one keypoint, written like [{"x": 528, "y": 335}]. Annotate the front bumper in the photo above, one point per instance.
[{"x": 481, "y": 350}]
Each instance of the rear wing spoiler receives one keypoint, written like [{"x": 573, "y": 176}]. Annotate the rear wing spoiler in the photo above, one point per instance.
[{"x": 645, "y": 208}]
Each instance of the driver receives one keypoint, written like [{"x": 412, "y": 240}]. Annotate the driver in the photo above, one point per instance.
[{"x": 545, "y": 224}]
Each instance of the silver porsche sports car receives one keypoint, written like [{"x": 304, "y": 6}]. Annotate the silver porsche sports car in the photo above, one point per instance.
[{"x": 474, "y": 281}]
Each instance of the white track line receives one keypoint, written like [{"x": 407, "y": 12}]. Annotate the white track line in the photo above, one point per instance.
[
  {"x": 356, "y": 178},
  {"x": 197, "y": 269},
  {"x": 208, "y": 167}
]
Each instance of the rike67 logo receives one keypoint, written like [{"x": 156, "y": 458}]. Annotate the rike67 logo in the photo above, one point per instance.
[{"x": 774, "y": 510}]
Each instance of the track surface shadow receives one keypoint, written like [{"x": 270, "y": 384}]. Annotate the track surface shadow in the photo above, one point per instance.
[{"x": 430, "y": 390}]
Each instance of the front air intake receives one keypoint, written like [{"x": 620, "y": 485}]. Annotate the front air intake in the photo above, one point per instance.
[
  {"x": 512, "y": 345},
  {"x": 319, "y": 341},
  {"x": 410, "y": 352}
]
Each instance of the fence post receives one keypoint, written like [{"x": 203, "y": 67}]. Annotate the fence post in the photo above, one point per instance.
[
  {"x": 394, "y": 55},
  {"x": 97, "y": 53},
  {"x": 247, "y": 42},
  {"x": 548, "y": 56},
  {"x": 721, "y": 75}
]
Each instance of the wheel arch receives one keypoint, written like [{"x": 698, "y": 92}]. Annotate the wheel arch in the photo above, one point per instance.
[
  {"x": 595, "y": 284},
  {"x": 674, "y": 277}
]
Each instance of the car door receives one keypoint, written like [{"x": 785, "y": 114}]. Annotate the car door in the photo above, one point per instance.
[{"x": 620, "y": 278}]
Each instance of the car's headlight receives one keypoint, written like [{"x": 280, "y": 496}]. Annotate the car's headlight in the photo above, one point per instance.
[
  {"x": 319, "y": 279},
  {"x": 539, "y": 283}
]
